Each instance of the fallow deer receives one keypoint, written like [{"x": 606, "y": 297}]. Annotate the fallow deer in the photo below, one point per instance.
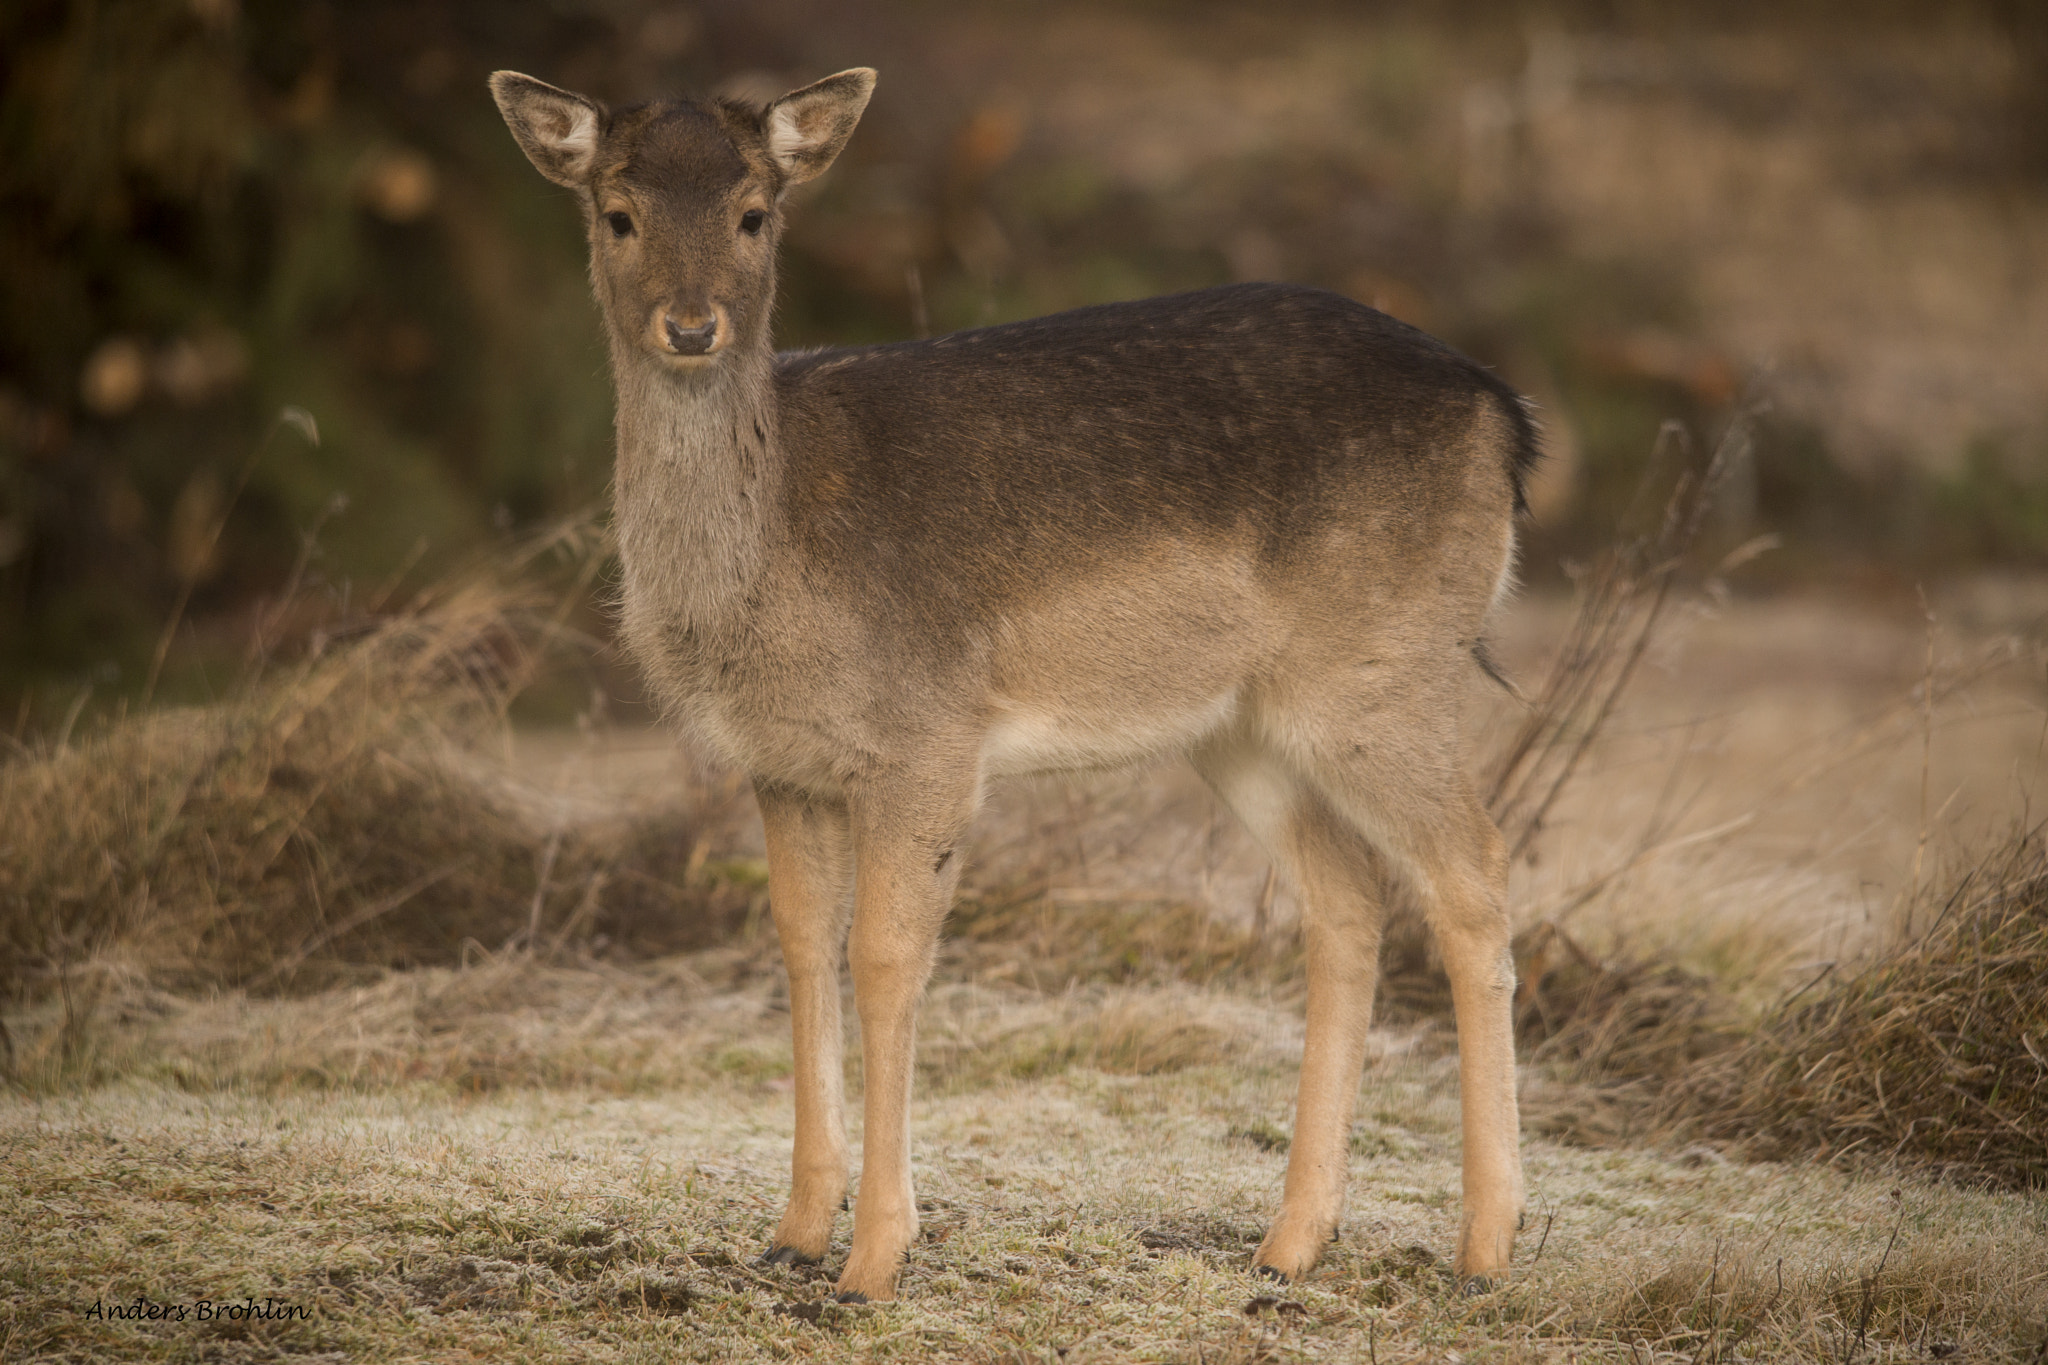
[{"x": 1259, "y": 526}]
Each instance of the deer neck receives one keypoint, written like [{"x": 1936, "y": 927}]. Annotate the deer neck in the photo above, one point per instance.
[{"x": 697, "y": 475}]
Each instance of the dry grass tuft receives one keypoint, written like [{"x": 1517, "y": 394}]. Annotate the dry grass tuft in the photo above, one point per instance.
[
  {"x": 325, "y": 824},
  {"x": 1915, "y": 1295},
  {"x": 1615, "y": 1016},
  {"x": 498, "y": 1020},
  {"x": 316, "y": 813},
  {"x": 1049, "y": 944},
  {"x": 977, "y": 1037},
  {"x": 1934, "y": 1052}
]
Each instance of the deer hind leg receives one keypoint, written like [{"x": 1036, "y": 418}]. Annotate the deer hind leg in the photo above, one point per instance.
[
  {"x": 1403, "y": 788},
  {"x": 1338, "y": 878},
  {"x": 907, "y": 864},
  {"x": 809, "y": 876},
  {"x": 1468, "y": 910}
]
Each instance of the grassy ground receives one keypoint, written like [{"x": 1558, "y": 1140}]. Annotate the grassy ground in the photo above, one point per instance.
[
  {"x": 1095, "y": 1169},
  {"x": 567, "y": 1138}
]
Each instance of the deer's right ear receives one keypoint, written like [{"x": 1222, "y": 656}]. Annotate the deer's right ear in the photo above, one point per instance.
[{"x": 557, "y": 130}]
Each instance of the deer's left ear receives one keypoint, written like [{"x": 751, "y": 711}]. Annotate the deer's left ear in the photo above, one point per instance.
[{"x": 807, "y": 128}]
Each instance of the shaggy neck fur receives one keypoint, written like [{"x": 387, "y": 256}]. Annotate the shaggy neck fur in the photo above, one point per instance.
[{"x": 696, "y": 483}]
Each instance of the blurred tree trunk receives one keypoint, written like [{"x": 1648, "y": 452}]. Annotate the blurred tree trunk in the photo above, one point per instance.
[{"x": 2026, "y": 23}]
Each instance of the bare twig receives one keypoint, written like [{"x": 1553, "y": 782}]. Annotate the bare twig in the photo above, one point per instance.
[
  {"x": 1870, "y": 1282},
  {"x": 540, "y": 885},
  {"x": 376, "y": 909},
  {"x": 1262, "y": 912},
  {"x": 1622, "y": 603},
  {"x": 1926, "y": 759},
  {"x": 299, "y": 420}
]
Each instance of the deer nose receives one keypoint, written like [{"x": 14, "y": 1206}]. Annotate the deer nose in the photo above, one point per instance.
[{"x": 689, "y": 340}]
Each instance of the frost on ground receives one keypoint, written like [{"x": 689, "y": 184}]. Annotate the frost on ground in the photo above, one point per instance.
[
  {"x": 1082, "y": 1211},
  {"x": 569, "y": 1139}
]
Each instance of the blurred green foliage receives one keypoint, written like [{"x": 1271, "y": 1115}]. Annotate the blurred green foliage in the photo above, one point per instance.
[{"x": 211, "y": 213}]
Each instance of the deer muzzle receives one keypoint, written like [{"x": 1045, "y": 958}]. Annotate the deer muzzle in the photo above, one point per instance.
[{"x": 693, "y": 332}]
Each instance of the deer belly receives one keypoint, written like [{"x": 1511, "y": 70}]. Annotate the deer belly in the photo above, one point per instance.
[{"x": 1037, "y": 739}]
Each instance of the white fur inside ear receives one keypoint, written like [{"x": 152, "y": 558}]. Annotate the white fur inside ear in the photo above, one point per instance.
[
  {"x": 786, "y": 140},
  {"x": 578, "y": 140}
]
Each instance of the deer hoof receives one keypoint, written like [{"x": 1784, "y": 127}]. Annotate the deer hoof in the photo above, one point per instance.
[{"x": 787, "y": 1255}]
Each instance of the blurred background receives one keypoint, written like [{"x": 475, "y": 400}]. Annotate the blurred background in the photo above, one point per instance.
[{"x": 211, "y": 211}]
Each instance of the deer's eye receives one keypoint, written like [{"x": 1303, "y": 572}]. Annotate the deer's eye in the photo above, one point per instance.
[
  {"x": 751, "y": 220},
  {"x": 622, "y": 223}
]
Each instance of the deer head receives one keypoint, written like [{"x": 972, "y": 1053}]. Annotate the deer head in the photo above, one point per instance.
[{"x": 683, "y": 202}]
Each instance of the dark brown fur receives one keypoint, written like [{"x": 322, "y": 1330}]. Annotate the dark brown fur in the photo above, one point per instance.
[{"x": 1260, "y": 412}]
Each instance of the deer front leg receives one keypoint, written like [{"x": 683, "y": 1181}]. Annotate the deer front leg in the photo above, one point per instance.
[
  {"x": 808, "y": 879},
  {"x": 906, "y": 870}
]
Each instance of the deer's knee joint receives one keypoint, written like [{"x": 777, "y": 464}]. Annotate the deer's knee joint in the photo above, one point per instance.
[
  {"x": 1344, "y": 950},
  {"x": 1479, "y": 921},
  {"x": 888, "y": 956},
  {"x": 1479, "y": 950}
]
